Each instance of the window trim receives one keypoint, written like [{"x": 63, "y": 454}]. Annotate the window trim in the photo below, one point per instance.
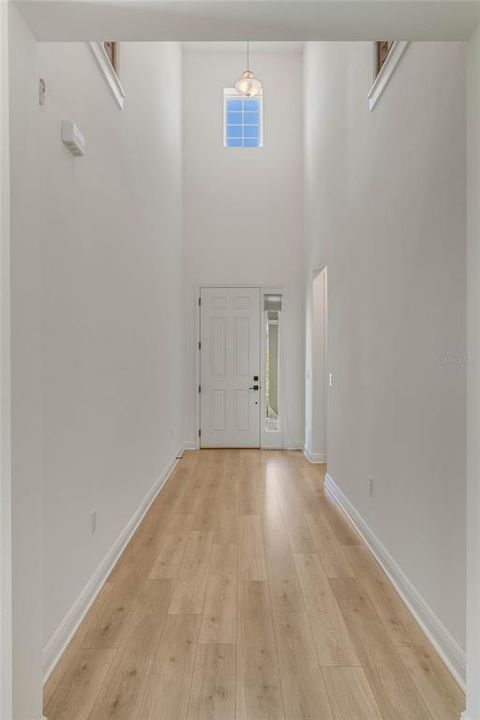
[
  {"x": 381, "y": 81},
  {"x": 108, "y": 72},
  {"x": 229, "y": 93}
]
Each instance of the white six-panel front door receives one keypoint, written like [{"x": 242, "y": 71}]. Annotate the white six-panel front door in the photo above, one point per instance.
[{"x": 229, "y": 364}]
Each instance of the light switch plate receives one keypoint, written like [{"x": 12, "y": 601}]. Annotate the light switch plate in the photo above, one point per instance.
[{"x": 73, "y": 138}]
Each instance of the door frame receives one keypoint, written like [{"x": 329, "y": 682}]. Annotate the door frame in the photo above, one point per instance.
[{"x": 266, "y": 289}]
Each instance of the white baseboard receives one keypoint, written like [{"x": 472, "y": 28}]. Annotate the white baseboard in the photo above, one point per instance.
[
  {"x": 55, "y": 647},
  {"x": 292, "y": 445},
  {"x": 314, "y": 457},
  {"x": 445, "y": 644},
  {"x": 190, "y": 445}
]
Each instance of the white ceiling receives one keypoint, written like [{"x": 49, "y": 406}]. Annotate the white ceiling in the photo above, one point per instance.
[
  {"x": 267, "y": 20},
  {"x": 257, "y": 48}
]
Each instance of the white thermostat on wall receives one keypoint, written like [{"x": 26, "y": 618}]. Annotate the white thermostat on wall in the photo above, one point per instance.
[{"x": 73, "y": 138}]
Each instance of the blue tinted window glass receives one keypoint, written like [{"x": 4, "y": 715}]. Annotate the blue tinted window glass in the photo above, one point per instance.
[
  {"x": 234, "y": 131},
  {"x": 250, "y": 131},
  {"x": 242, "y": 122},
  {"x": 251, "y": 118},
  {"x": 234, "y": 118}
]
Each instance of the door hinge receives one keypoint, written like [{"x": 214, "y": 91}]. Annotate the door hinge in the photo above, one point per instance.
[
  {"x": 199, "y": 344},
  {"x": 199, "y": 433},
  {"x": 199, "y": 300},
  {"x": 199, "y": 388}
]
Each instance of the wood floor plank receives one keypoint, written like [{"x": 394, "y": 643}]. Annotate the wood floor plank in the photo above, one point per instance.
[
  {"x": 189, "y": 595},
  {"x": 301, "y": 539},
  {"x": 207, "y": 509},
  {"x": 225, "y": 529},
  {"x": 219, "y": 616},
  {"x": 351, "y": 696},
  {"x": 80, "y": 684},
  {"x": 352, "y": 598},
  {"x": 213, "y": 689},
  {"x": 342, "y": 528},
  {"x": 332, "y": 639},
  {"x": 193, "y": 492},
  {"x": 331, "y": 552},
  {"x": 171, "y": 552},
  {"x": 251, "y": 553},
  {"x": 258, "y": 679},
  {"x": 283, "y": 581},
  {"x": 166, "y": 690},
  {"x": 395, "y": 693},
  {"x": 219, "y": 623},
  {"x": 399, "y": 622},
  {"x": 440, "y": 693},
  {"x": 303, "y": 688},
  {"x": 247, "y": 493},
  {"x": 394, "y": 690},
  {"x": 302, "y": 487},
  {"x": 362, "y": 560},
  {"x": 111, "y": 623},
  {"x": 70, "y": 655},
  {"x": 120, "y": 694}
]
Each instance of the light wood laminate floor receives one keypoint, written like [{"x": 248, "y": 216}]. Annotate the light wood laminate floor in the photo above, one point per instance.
[{"x": 246, "y": 595}]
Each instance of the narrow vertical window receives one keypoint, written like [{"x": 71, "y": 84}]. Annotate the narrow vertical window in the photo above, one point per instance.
[
  {"x": 382, "y": 50},
  {"x": 111, "y": 48},
  {"x": 243, "y": 120},
  {"x": 273, "y": 311}
]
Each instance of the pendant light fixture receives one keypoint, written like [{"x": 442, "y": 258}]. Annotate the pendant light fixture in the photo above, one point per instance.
[{"x": 248, "y": 85}]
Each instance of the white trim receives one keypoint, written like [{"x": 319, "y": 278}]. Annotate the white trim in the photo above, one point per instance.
[
  {"x": 190, "y": 445},
  {"x": 109, "y": 73},
  {"x": 314, "y": 458},
  {"x": 465, "y": 716},
  {"x": 55, "y": 647},
  {"x": 292, "y": 445},
  {"x": 445, "y": 644},
  {"x": 384, "y": 76}
]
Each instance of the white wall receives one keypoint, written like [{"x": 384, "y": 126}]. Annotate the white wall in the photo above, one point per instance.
[
  {"x": 473, "y": 446},
  {"x": 243, "y": 207},
  {"x": 385, "y": 202},
  {"x": 315, "y": 367},
  {"x": 97, "y": 295},
  {"x": 5, "y": 417},
  {"x": 27, "y": 363}
]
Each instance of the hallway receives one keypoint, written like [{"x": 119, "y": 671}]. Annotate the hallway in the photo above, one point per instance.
[{"x": 246, "y": 595}]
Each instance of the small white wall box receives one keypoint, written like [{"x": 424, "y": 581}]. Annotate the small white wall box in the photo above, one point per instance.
[{"x": 73, "y": 138}]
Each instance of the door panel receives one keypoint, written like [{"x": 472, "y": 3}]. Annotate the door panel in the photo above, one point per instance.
[{"x": 229, "y": 360}]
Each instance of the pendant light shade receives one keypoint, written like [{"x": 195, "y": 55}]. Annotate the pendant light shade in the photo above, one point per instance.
[{"x": 248, "y": 85}]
